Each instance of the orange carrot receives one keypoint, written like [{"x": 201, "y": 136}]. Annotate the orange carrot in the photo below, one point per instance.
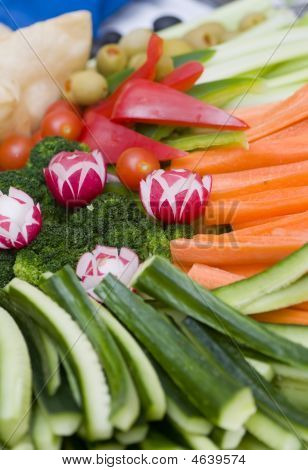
[
  {"x": 302, "y": 306},
  {"x": 255, "y": 115},
  {"x": 280, "y": 226},
  {"x": 232, "y": 185},
  {"x": 246, "y": 270},
  {"x": 287, "y": 316},
  {"x": 217, "y": 251},
  {"x": 255, "y": 222},
  {"x": 273, "y": 203},
  {"x": 210, "y": 277},
  {"x": 284, "y": 114},
  {"x": 263, "y": 153}
]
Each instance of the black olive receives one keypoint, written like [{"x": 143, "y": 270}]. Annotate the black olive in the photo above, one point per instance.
[{"x": 164, "y": 22}]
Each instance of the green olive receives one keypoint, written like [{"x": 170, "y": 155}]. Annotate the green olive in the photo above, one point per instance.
[
  {"x": 251, "y": 20},
  {"x": 86, "y": 87},
  {"x": 136, "y": 41},
  {"x": 111, "y": 59},
  {"x": 174, "y": 47},
  {"x": 137, "y": 60},
  {"x": 164, "y": 67},
  {"x": 206, "y": 35}
]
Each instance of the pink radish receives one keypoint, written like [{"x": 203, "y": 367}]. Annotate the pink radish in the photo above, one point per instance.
[
  {"x": 93, "y": 267},
  {"x": 175, "y": 196},
  {"x": 20, "y": 219},
  {"x": 76, "y": 178}
]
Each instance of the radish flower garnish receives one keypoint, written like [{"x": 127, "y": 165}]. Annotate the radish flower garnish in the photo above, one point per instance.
[
  {"x": 175, "y": 196},
  {"x": 20, "y": 219},
  {"x": 76, "y": 178},
  {"x": 93, "y": 267}
]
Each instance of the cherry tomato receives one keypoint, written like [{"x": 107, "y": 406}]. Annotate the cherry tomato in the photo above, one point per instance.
[
  {"x": 62, "y": 105},
  {"x": 62, "y": 123},
  {"x": 36, "y": 137},
  {"x": 134, "y": 165},
  {"x": 14, "y": 152}
]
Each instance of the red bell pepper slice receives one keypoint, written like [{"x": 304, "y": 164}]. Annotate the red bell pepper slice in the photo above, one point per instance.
[
  {"x": 184, "y": 77},
  {"x": 147, "y": 71},
  {"x": 112, "y": 139},
  {"x": 154, "y": 103}
]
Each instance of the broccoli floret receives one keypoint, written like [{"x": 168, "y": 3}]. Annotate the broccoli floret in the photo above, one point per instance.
[
  {"x": 179, "y": 231},
  {"x": 50, "y": 146},
  {"x": 7, "y": 260}
]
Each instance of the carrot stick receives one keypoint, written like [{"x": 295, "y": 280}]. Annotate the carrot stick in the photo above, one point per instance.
[
  {"x": 295, "y": 222},
  {"x": 287, "y": 316},
  {"x": 303, "y": 306},
  {"x": 217, "y": 251},
  {"x": 210, "y": 277},
  {"x": 273, "y": 203},
  {"x": 284, "y": 114},
  {"x": 255, "y": 222},
  {"x": 246, "y": 270},
  {"x": 232, "y": 185},
  {"x": 265, "y": 152}
]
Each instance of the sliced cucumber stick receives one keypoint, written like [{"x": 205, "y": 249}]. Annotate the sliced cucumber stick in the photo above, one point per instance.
[
  {"x": 151, "y": 393},
  {"x": 227, "y": 439},
  {"x": 135, "y": 435},
  {"x": 15, "y": 381},
  {"x": 76, "y": 348},
  {"x": 263, "y": 368},
  {"x": 65, "y": 288},
  {"x": 42, "y": 435}
]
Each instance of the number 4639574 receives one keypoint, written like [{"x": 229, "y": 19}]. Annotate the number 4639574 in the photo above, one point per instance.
[{"x": 226, "y": 459}]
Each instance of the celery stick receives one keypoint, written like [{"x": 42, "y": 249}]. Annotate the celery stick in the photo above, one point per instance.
[
  {"x": 229, "y": 15},
  {"x": 270, "y": 96},
  {"x": 287, "y": 67},
  {"x": 298, "y": 76},
  {"x": 205, "y": 141}
]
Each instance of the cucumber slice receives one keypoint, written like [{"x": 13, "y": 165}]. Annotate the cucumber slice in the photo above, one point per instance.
[
  {"x": 263, "y": 368},
  {"x": 181, "y": 411},
  {"x": 65, "y": 288},
  {"x": 149, "y": 388},
  {"x": 289, "y": 372},
  {"x": 52, "y": 364},
  {"x": 135, "y": 435},
  {"x": 295, "y": 334},
  {"x": 273, "y": 435},
  {"x": 228, "y": 407},
  {"x": 77, "y": 349},
  {"x": 192, "y": 441},
  {"x": 108, "y": 445},
  {"x": 277, "y": 277},
  {"x": 24, "y": 444},
  {"x": 291, "y": 295},
  {"x": 227, "y": 439},
  {"x": 158, "y": 441},
  {"x": 294, "y": 391},
  {"x": 249, "y": 442},
  {"x": 42, "y": 435},
  {"x": 268, "y": 399},
  {"x": 158, "y": 278},
  {"x": 15, "y": 381}
]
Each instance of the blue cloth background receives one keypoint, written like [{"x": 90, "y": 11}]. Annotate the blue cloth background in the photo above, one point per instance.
[{"x": 20, "y": 13}]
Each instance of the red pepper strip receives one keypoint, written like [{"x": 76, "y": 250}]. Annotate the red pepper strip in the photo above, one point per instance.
[
  {"x": 147, "y": 71},
  {"x": 184, "y": 77},
  {"x": 112, "y": 139},
  {"x": 154, "y": 103}
]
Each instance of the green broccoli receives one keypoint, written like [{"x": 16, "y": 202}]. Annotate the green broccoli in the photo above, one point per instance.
[{"x": 7, "y": 260}]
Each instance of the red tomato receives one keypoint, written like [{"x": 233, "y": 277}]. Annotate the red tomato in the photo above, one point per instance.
[
  {"x": 63, "y": 123},
  {"x": 62, "y": 105},
  {"x": 14, "y": 152},
  {"x": 134, "y": 165},
  {"x": 36, "y": 137}
]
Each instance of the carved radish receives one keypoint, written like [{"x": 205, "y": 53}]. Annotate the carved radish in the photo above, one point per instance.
[
  {"x": 75, "y": 178},
  {"x": 93, "y": 267},
  {"x": 175, "y": 196},
  {"x": 20, "y": 219}
]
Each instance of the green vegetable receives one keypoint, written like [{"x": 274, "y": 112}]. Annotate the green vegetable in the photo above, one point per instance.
[
  {"x": 249, "y": 442},
  {"x": 65, "y": 288},
  {"x": 116, "y": 79},
  {"x": 227, "y": 439},
  {"x": 24, "y": 444},
  {"x": 202, "y": 55},
  {"x": 295, "y": 391},
  {"x": 154, "y": 132},
  {"x": 208, "y": 140},
  {"x": 158, "y": 441},
  {"x": 87, "y": 87},
  {"x": 135, "y": 435},
  {"x": 161, "y": 280},
  {"x": 198, "y": 378},
  {"x": 273, "y": 435},
  {"x": 42, "y": 435},
  {"x": 135, "y": 41},
  {"x": 149, "y": 388},
  {"x": 277, "y": 277},
  {"x": 263, "y": 368},
  {"x": 220, "y": 92},
  {"x": 110, "y": 59},
  {"x": 77, "y": 350},
  {"x": 15, "y": 381}
]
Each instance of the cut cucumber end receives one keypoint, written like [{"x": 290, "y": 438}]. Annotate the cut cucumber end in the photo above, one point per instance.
[{"x": 238, "y": 411}]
